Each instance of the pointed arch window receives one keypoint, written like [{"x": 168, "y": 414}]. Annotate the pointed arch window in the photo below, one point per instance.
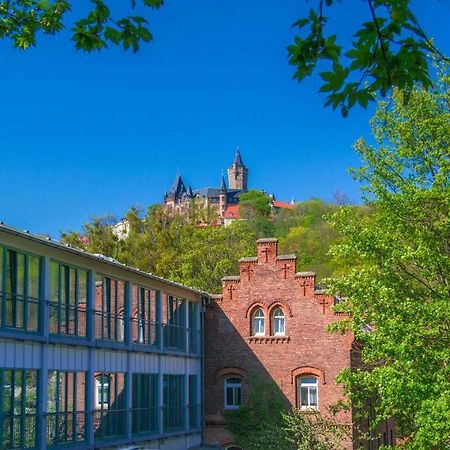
[{"x": 258, "y": 325}]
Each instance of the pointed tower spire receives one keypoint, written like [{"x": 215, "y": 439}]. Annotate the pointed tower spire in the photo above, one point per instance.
[
  {"x": 238, "y": 158},
  {"x": 178, "y": 188},
  {"x": 223, "y": 186}
]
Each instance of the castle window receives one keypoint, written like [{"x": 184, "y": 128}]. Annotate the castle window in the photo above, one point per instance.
[
  {"x": 307, "y": 392},
  {"x": 258, "y": 322},
  {"x": 278, "y": 322},
  {"x": 233, "y": 393}
]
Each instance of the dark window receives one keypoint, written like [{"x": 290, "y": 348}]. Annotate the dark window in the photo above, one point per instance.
[
  {"x": 145, "y": 403},
  {"x": 233, "y": 393},
  {"x": 175, "y": 324},
  {"x": 194, "y": 332},
  {"x": 20, "y": 290},
  {"x": 110, "y": 402},
  {"x": 145, "y": 320},
  {"x": 68, "y": 297},
  {"x": 18, "y": 405},
  {"x": 173, "y": 402},
  {"x": 66, "y": 407},
  {"x": 109, "y": 308},
  {"x": 194, "y": 407}
]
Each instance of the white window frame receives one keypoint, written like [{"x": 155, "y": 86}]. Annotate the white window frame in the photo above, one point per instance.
[
  {"x": 256, "y": 330},
  {"x": 99, "y": 385},
  {"x": 235, "y": 386},
  {"x": 303, "y": 383},
  {"x": 278, "y": 317}
]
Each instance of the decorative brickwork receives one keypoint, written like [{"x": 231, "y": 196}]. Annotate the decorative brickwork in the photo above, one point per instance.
[{"x": 243, "y": 334}]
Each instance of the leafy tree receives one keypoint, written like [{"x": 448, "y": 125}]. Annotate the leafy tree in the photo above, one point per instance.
[
  {"x": 97, "y": 236},
  {"x": 389, "y": 49},
  {"x": 21, "y": 20},
  {"x": 255, "y": 208},
  {"x": 258, "y": 423},
  {"x": 306, "y": 232},
  {"x": 170, "y": 245},
  {"x": 264, "y": 422},
  {"x": 398, "y": 295}
]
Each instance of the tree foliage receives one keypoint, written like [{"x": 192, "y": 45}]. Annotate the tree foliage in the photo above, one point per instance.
[
  {"x": 22, "y": 20},
  {"x": 398, "y": 294},
  {"x": 389, "y": 49},
  {"x": 171, "y": 246},
  {"x": 265, "y": 422}
]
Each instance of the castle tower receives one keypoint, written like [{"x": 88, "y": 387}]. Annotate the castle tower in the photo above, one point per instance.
[
  {"x": 222, "y": 198},
  {"x": 238, "y": 173}
]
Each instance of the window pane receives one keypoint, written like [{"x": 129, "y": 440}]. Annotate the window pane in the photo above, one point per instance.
[
  {"x": 237, "y": 391},
  {"x": 304, "y": 396},
  {"x": 33, "y": 276},
  {"x": 310, "y": 380},
  {"x": 230, "y": 396},
  {"x": 313, "y": 396}
]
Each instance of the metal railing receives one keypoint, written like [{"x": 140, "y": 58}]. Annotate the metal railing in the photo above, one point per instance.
[
  {"x": 65, "y": 427},
  {"x": 18, "y": 431},
  {"x": 109, "y": 326},
  {"x": 19, "y": 312},
  {"x": 67, "y": 319},
  {"x": 145, "y": 331}
]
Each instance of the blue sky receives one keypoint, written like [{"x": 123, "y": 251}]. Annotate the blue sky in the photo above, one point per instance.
[{"x": 84, "y": 134}]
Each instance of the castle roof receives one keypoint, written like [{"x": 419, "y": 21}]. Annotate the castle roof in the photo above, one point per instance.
[
  {"x": 238, "y": 158},
  {"x": 223, "y": 186},
  {"x": 178, "y": 188},
  {"x": 231, "y": 212}
]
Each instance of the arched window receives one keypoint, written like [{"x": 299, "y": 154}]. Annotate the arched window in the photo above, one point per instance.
[
  {"x": 102, "y": 391},
  {"x": 233, "y": 393},
  {"x": 307, "y": 392},
  {"x": 278, "y": 322},
  {"x": 258, "y": 322}
]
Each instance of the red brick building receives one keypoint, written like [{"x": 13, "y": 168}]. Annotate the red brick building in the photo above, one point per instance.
[{"x": 271, "y": 320}]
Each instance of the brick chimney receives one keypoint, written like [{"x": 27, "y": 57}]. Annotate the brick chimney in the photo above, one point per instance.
[{"x": 267, "y": 250}]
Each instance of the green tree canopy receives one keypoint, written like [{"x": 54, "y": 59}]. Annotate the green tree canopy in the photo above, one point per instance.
[
  {"x": 389, "y": 49},
  {"x": 398, "y": 293},
  {"x": 21, "y": 20}
]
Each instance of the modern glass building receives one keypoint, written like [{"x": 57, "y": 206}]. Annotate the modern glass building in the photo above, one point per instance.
[{"x": 94, "y": 353}]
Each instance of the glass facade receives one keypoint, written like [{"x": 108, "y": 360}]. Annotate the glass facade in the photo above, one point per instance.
[
  {"x": 18, "y": 406},
  {"x": 68, "y": 299},
  {"x": 175, "y": 323},
  {"x": 66, "y": 410},
  {"x": 145, "y": 403},
  {"x": 109, "y": 308},
  {"x": 173, "y": 402},
  {"x": 83, "y": 348},
  {"x": 20, "y": 286}
]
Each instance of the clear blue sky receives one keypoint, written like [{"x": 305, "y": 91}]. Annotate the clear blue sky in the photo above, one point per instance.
[{"x": 84, "y": 134}]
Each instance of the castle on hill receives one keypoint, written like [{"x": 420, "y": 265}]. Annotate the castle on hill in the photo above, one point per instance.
[{"x": 224, "y": 199}]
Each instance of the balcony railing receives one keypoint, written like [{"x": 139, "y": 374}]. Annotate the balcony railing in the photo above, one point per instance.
[
  {"x": 19, "y": 312},
  {"x": 67, "y": 319},
  {"x": 65, "y": 427}
]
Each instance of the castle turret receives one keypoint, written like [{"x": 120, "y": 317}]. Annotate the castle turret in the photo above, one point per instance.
[
  {"x": 238, "y": 173},
  {"x": 222, "y": 198}
]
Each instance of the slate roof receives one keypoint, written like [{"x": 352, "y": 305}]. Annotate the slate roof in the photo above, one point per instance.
[
  {"x": 238, "y": 158},
  {"x": 178, "y": 188}
]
